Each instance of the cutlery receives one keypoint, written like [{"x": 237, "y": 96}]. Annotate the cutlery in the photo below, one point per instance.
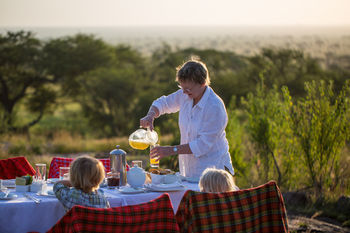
[
  {"x": 7, "y": 193},
  {"x": 36, "y": 200}
]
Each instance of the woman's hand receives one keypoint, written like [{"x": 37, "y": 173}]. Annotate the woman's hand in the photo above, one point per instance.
[
  {"x": 161, "y": 152},
  {"x": 147, "y": 122}
]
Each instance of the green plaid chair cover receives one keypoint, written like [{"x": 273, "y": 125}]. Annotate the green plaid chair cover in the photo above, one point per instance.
[
  {"x": 154, "y": 216},
  {"x": 259, "y": 209}
]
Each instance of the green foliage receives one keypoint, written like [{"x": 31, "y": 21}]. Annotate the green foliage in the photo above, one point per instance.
[
  {"x": 284, "y": 67},
  {"x": 65, "y": 59},
  {"x": 21, "y": 78},
  {"x": 269, "y": 130},
  {"x": 235, "y": 132},
  {"x": 321, "y": 124}
]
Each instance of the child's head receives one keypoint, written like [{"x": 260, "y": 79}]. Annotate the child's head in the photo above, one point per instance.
[
  {"x": 216, "y": 181},
  {"x": 86, "y": 173}
]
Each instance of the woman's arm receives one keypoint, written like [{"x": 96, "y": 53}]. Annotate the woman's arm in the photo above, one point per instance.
[{"x": 147, "y": 121}]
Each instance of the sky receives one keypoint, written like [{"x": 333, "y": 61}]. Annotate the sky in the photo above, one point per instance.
[{"x": 96, "y": 13}]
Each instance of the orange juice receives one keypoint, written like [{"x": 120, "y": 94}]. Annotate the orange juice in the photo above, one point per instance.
[
  {"x": 139, "y": 145},
  {"x": 154, "y": 163}
]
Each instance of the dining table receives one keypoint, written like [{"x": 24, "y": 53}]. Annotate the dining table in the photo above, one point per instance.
[{"x": 24, "y": 214}]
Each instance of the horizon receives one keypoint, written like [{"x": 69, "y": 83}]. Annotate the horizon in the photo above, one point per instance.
[{"x": 105, "y": 13}]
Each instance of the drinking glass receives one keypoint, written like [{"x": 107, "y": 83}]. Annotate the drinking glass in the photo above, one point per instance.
[
  {"x": 64, "y": 173},
  {"x": 40, "y": 172},
  {"x": 153, "y": 162},
  {"x": 136, "y": 162},
  {"x": 113, "y": 179}
]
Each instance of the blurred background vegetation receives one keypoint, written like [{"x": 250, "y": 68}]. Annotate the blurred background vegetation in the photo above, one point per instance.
[{"x": 288, "y": 110}]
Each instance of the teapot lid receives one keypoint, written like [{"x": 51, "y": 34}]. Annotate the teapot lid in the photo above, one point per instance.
[{"x": 117, "y": 151}]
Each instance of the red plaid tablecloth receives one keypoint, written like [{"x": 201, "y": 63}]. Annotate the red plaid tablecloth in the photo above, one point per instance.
[
  {"x": 58, "y": 162},
  {"x": 154, "y": 216},
  {"x": 13, "y": 167},
  {"x": 259, "y": 209}
]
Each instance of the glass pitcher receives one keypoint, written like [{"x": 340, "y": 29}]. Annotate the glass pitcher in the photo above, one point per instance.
[{"x": 141, "y": 139}]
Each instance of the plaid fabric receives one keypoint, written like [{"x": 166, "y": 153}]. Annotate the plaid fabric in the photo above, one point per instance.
[
  {"x": 154, "y": 216},
  {"x": 70, "y": 197},
  {"x": 13, "y": 167},
  {"x": 259, "y": 209},
  {"x": 58, "y": 162}
]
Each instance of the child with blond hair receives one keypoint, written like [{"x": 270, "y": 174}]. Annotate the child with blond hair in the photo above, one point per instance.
[
  {"x": 215, "y": 180},
  {"x": 85, "y": 176}
]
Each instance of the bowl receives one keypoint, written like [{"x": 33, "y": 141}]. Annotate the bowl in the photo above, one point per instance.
[{"x": 157, "y": 179}]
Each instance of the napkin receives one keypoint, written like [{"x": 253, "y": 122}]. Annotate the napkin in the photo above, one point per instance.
[{"x": 9, "y": 183}]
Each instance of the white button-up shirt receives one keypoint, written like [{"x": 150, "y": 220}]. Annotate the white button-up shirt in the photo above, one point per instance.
[{"x": 202, "y": 126}]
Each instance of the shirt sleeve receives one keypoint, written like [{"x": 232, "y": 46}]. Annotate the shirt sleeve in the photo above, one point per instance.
[
  {"x": 169, "y": 104},
  {"x": 213, "y": 126},
  {"x": 62, "y": 193}
]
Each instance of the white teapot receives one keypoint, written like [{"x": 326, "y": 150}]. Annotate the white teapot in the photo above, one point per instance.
[{"x": 136, "y": 177}]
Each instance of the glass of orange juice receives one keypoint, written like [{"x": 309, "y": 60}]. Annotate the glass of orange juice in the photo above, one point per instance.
[{"x": 153, "y": 162}]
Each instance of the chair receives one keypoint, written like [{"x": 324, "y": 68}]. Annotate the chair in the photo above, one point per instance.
[
  {"x": 154, "y": 216},
  {"x": 259, "y": 209},
  {"x": 58, "y": 162},
  {"x": 13, "y": 167}
]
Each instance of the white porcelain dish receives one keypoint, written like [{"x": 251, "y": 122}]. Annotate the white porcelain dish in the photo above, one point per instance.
[
  {"x": 10, "y": 196},
  {"x": 165, "y": 187},
  {"x": 49, "y": 193},
  {"x": 131, "y": 190}
]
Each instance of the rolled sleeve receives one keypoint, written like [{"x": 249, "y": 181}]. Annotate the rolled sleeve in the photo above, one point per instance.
[
  {"x": 214, "y": 124},
  {"x": 62, "y": 192},
  {"x": 169, "y": 104}
]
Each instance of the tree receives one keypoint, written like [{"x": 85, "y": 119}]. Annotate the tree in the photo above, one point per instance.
[
  {"x": 32, "y": 73},
  {"x": 67, "y": 58},
  {"x": 321, "y": 124},
  {"x": 269, "y": 130},
  {"x": 22, "y": 80},
  {"x": 284, "y": 67}
]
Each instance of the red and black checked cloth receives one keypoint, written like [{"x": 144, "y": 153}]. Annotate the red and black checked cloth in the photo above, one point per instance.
[
  {"x": 259, "y": 209},
  {"x": 154, "y": 216},
  {"x": 13, "y": 167},
  {"x": 58, "y": 162}
]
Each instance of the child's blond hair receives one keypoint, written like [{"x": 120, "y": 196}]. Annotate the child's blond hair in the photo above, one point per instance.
[
  {"x": 86, "y": 173},
  {"x": 216, "y": 181}
]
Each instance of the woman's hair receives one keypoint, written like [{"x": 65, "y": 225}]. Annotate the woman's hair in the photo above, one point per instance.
[
  {"x": 194, "y": 71},
  {"x": 86, "y": 173},
  {"x": 216, "y": 181}
]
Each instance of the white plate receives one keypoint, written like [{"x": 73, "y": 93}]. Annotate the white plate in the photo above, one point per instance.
[
  {"x": 52, "y": 180},
  {"x": 165, "y": 187},
  {"x": 9, "y": 197},
  {"x": 47, "y": 194},
  {"x": 130, "y": 190}
]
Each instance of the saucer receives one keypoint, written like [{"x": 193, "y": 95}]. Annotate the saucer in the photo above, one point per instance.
[
  {"x": 130, "y": 190},
  {"x": 10, "y": 196}
]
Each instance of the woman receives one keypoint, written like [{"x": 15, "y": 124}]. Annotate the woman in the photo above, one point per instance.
[{"x": 202, "y": 122}]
